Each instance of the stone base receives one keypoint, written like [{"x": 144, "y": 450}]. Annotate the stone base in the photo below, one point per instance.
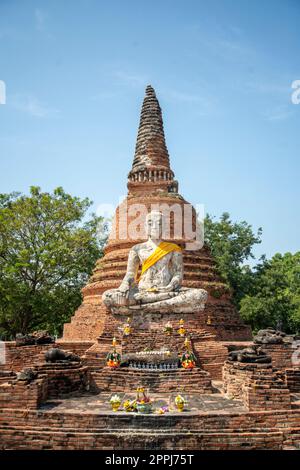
[{"x": 179, "y": 381}]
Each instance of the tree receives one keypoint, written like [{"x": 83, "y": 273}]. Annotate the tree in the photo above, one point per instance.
[
  {"x": 275, "y": 298},
  {"x": 231, "y": 244},
  {"x": 47, "y": 253}
]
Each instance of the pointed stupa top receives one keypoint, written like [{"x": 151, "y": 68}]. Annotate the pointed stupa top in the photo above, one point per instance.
[
  {"x": 151, "y": 149},
  {"x": 151, "y": 159}
]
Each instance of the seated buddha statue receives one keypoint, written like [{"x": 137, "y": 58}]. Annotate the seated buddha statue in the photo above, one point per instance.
[{"x": 159, "y": 286}]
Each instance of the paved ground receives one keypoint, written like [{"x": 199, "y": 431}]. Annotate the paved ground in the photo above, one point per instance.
[{"x": 100, "y": 403}]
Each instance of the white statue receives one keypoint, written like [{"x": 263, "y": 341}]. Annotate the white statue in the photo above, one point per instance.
[{"x": 159, "y": 288}]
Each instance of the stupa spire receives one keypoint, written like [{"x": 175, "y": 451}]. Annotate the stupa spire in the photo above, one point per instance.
[{"x": 151, "y": 159}]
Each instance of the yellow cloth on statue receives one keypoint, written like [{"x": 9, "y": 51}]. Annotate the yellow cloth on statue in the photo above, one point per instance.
[{"x": 160, "y": 251}]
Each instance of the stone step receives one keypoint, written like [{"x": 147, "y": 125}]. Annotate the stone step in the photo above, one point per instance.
[{"x": 131, "y": 439}]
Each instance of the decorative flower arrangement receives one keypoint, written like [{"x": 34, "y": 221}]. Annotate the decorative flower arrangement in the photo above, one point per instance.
[
  {"x": 127, "y": 327},
  {"x": 129, "y": 405},
  {"x": 168, "y": 328},
  {"x": 180, "y": 402},
  {"x": 113, "y": 358},
  {"x": 115, "y": 402},
  {"x": 188, "y": 360},
  {"x": 143, "y": 401},
  {"x": 181, "y": 330}
]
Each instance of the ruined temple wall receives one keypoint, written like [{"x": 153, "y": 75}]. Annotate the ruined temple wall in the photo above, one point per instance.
[
  {"x": 52, "y": 381},
  {"x": 281, "y": 354},
  {"x": 19, "y": 394},
  {"x": 259, "y": 386},
  {"x": 292, "y": 378},
  {"x": 20, "y": 357}
]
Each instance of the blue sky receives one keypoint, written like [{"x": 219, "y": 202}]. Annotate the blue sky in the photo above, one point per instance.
[{"x": 75, "y": 74}]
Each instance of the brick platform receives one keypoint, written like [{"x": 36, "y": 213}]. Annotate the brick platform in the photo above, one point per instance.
[{"x": 87, "y": 423}]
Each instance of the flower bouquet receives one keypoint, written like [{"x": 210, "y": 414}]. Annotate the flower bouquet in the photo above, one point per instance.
[
  {"x": 181, "y": 330},
  {"x": 127, "y": 330},
  {"x": 188, "y": 360},
  {"x": 129, "y": 405},
  {"x": 113, "y": 359},
  {"x": 143, "y": 402},
  {"x": 168, "y": 328},
  {"x": 115, "y": 402}
]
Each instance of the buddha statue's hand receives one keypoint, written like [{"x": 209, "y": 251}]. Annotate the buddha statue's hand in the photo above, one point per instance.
[
  {"x": 120, "y": 298},
  {"x": 125, "y": 287},
  {"x": 168, "y": 288},
  {"x": 173, "y": 285}
]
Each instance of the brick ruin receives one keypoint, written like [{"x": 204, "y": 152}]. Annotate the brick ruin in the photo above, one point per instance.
[{"x": 233, "y": 405}]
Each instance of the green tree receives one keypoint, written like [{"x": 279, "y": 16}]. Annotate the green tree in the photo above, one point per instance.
[
  {"x": 48, "y": 248},
  {"x": 231, "y": 245},
  {"x": 275, "y": 298}
]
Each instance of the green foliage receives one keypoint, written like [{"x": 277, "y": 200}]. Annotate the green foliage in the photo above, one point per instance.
[
  {"x": 47, "y": 253},
  {"x": 275, "y": 297},
  {"x": 231, "y": 244},
  {"x": 267, "y": 295}
]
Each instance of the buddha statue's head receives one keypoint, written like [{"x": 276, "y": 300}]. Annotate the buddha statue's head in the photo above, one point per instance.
[{"x": 154, "y": 225}]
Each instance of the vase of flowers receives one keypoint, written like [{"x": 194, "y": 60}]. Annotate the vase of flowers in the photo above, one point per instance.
[
  {"x": 181, "y": 330},
  {"x": 113, "y": 359},
  {"x": 188, "y": 360},
  {"x": 127, "y": 330},
  {"x": 180, "y": 403},
  {"x": 143, "y": 402},
  {"x": 168, "y": 328},
  {"x": 115, "y": 402}
]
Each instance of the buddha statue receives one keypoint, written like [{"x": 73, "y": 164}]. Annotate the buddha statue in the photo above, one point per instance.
[{"x": 159, "y": 286}]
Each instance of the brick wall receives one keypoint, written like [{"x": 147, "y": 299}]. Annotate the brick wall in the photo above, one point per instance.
[
  {"x": 126, "y": 380},
  {"x": 259, "y": 386},
  {"x": 66, "y": 431},
  {"x": 20, "y": 394},
  {"x": 20, "y": 357},
  {"x": 292, "y": 377},
  {"x": 281, "y": 354}
]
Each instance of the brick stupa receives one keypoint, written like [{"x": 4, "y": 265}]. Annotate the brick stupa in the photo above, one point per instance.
[{"x": 151, "y": 182}]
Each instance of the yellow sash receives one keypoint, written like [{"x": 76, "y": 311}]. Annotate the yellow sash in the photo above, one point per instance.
[{"x": 160, "y": 251}]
